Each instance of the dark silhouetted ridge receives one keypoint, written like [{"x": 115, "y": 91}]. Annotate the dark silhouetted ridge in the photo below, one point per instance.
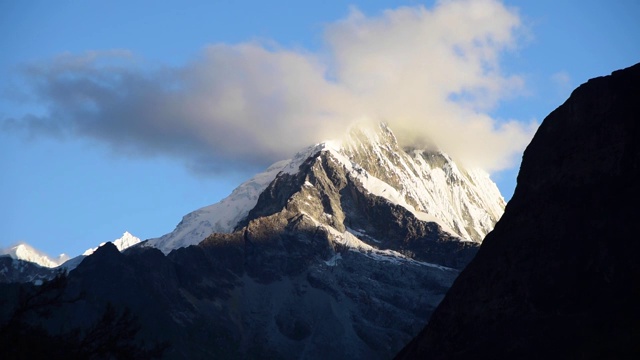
[{"x": 559, "y": 276}]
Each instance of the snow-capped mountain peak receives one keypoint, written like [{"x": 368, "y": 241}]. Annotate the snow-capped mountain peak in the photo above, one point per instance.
[
  {"x": 127, "y": 240},
  {"x": 26, "y": 252},
  {"x": 464, "y": 202}
]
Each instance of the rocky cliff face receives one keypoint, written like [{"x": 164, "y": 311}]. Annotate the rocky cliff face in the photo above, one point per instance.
[{"x": 559, "y": 276}]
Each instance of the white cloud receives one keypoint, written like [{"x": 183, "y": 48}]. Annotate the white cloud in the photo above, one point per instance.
[{"x": 430, "y": 73}]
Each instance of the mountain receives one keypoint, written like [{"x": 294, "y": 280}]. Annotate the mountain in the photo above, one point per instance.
[
  {"x": 127, "y": 240},
  {"x": 429, "y": 183},
  {"x": 559, "y": 276},
  {"x": 23, "y": 263},
  {"x": 26, "y": 252},
  {"x": 341, "y": 252}
]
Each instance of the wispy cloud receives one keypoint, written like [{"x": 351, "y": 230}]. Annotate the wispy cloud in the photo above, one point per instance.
[{"x": 432, "y": 74}]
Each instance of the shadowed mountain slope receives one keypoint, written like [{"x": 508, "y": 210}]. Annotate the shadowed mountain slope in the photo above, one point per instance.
[{"x": 559, "y": 275}]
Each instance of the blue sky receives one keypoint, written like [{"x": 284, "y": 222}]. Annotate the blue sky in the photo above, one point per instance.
[{"x": 66, "y": 187}]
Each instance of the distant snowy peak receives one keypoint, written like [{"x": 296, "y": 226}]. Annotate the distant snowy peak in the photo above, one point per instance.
[
  {"x": 26, "y": 252},
  {"x": 426, "y": 182},
  {"x": 22, "y": 271},
  {"x": 127, "y": 240}
]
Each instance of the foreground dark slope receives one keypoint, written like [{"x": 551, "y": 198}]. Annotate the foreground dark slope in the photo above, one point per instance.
[{"x": 559, "y": 275}]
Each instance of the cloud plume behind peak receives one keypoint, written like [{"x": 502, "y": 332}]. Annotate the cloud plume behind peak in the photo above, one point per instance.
[{"x": 429, "y": 73}]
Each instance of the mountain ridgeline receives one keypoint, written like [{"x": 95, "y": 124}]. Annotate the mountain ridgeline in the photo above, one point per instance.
[
  {"x": 559, "y": 277},
  {"x": 341, "y": 252}
]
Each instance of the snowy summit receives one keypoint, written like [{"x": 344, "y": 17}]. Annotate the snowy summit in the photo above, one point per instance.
[
  {"x": 122, "y": 243},
  {"x": 26, "y": 252},
  {"x": 464, "y": 202}
]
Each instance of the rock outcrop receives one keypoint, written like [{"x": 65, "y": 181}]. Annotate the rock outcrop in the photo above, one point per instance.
[{"x": 559, "y": 276}]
